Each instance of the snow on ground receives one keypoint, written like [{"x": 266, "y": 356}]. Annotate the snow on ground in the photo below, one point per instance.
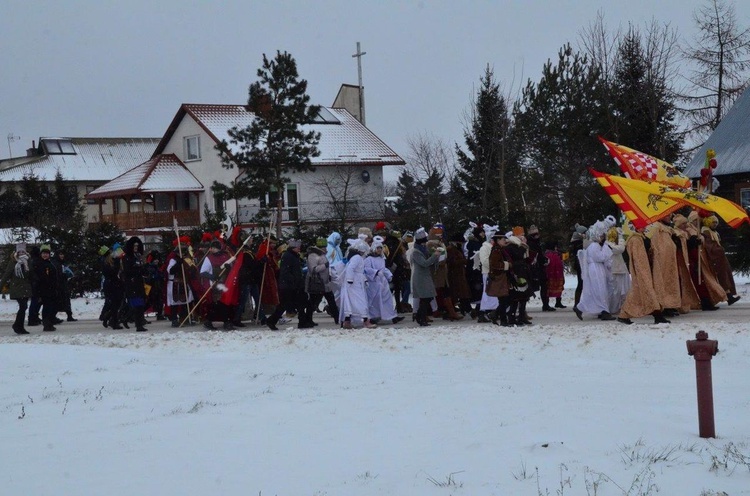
[{"x": 560, "y": 408}]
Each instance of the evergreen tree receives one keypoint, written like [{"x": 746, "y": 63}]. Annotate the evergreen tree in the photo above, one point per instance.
[
  {"x": 556, "y": 123},
  {"x": 482, "y": 166},
  {"x": 643, "y": 104},
  {"x": 274, "y": 144}
]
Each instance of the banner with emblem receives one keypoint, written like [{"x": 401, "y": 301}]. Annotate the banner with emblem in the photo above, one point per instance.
[{"x": 639, "y": 165}]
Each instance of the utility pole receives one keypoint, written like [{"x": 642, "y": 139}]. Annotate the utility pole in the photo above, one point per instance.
[{"x": 358, "y": 56}]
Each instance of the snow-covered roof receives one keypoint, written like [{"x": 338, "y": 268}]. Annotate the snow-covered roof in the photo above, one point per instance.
[
  {"x": 161, "y": 174},
  {"x": 343, "y": 139},
  {"x": 93, "y": 159},
  {"x": 730, "y": 140}
]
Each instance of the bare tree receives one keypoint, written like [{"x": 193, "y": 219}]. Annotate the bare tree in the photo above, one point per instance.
[
  {"x": 428, "y": 156},
  {"x": 342, "y": 196},
  {"x": 719, "y": 57}
]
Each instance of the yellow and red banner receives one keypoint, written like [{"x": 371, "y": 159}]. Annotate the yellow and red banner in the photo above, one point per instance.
[
  {"x": 639, "y": 165},
  {"x": 646, "y": 202}
]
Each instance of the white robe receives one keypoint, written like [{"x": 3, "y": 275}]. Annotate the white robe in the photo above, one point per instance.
[
  {"x": 596, "y": 265},
  {"x": 353, "y": 292},
  {"x": 619, "y": 285},
  {"x": 381, "y": 304},
  {"x": 170, "y": 287}
]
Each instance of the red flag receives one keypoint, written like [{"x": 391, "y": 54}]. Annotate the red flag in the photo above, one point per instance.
[
  {"x": 232, "y": 295},
  {"x": 639, "y": 165}
]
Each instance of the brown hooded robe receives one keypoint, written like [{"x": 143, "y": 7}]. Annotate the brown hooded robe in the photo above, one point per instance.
[{"x": 641, "y": 300}]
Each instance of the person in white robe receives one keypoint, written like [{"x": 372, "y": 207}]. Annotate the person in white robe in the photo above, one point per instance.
[
  {"x": 379, "y": 296},
  {"x": 353, "y": 305},
  {"x": 488, "y": 303},
  {"x": 596, "y": 265}
]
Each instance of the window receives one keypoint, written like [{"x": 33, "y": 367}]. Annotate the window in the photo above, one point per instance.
[
  {"x": 291, "y": 201},
  {"x": 192, "y": 148},
  {"x": 745, "y": 198},
  {"x": 59, "y": 147},
  {"x": 89, "y": 189}
]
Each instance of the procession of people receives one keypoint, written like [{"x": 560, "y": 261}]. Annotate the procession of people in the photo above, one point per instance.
[{"x": 486, "y": 274}]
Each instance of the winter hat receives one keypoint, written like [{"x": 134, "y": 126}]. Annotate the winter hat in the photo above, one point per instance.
[
  {"x": 295, "y": 243},
  {"x": 321, "y": 242},
  {"x": 436, "y": 232},
  {"x": 408, "y": 237},
  {"x": 518, "y": 231},
  {"x": 216, "y": 244},
  {"x": 377, "y": 242},
  {"x": 103, "y": 250},
  {"x": 380, "y": 226},
  {"x": 21, "y": 248},
  {"x": 44, "y": 248},
  {"x": 610, "y": 221},
  {"x": 366, "y": 231},
  {"x": 420, "y": 236},
  {"x": 533, "y": 230}
]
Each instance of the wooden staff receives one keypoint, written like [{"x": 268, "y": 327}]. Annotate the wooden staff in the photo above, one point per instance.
[
  {"x": 182, "y": 266},
  {"x": 263, "y": 277}
]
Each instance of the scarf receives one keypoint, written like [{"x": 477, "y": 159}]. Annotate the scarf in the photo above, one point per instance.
[{"x": 22, "y": 264}]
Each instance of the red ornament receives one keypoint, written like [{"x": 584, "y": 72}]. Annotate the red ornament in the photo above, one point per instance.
[
  {"x": 705, "y": 173},
  {"x": 713, "y": 163}
]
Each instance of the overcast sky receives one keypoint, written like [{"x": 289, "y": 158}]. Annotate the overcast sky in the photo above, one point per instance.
[{"x": 105, "y": 68}]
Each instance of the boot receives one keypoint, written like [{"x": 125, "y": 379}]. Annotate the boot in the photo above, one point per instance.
[
  {"x": 450, "y": 309},
  {"x": 732, "y": 299},
  {"x": 369, "y": 325},
  {"x": 547, "y": 308},
  {"x": 558, "y": 303},
  {"x": 347, "y": 324},
  {"x": 18, "y": 329},
  {"x": 706, "y": 305},
  {"x": 659, "y": 318},
  {"x": 482, "y": 317}
]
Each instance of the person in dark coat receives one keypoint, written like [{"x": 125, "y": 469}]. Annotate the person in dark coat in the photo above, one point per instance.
[
  {"x": 318, "y": 280},
  {"x": 45, "y": 282},
  {"x": 112, "y": 287},
  {"x": 474, "y": 275},
  {"x": 292, "y": 296},
  {"x": 133, "y": 273},
  {"x": 155, "y": 278},
  {"x": 459, "y": 286},
  {"x": 537, "y": 267},
  {"x": 35, "y": 304},
  {"x": 422, "y": 285},
  {"x": 64, "y": 275},
  {"x": 17, "y": 277}
]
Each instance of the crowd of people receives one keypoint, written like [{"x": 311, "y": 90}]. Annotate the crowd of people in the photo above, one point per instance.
[
  {"x": 38, "y": 281},
  {"x": 674, "y": 266}
]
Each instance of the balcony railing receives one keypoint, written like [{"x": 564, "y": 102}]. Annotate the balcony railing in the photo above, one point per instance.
[
  {"x": 312, "y": 212},
  {"x": 139, "y": 220}
]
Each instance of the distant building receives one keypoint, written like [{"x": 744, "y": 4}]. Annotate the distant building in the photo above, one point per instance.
[
  {"x": 731, "y": 141},
  {"x": 84, "y": 163},
  {"x": 347, "y": 183}
]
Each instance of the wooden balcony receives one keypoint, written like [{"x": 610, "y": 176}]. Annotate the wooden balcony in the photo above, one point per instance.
[{"x": 141, "y": 220}]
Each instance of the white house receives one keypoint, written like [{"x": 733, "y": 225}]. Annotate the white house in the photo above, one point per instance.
[{"x": 347, "y": 183}]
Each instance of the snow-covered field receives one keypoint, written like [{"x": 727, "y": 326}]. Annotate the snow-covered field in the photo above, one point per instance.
[{"x": 559, "y": 408}]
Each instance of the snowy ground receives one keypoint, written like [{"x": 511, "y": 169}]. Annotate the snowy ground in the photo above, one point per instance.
[{"x": 560, "y": 408}]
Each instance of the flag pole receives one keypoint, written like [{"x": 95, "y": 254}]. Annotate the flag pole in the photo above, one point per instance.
[
  {"x": 265, "y": 265},
  {"x": 182, "y": 266}
]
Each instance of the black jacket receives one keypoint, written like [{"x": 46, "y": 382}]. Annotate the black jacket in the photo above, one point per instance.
[{"x": 290, "y": 272}]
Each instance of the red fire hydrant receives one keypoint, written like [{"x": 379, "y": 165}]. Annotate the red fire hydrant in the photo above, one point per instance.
[{"x": 704, "y": 349}]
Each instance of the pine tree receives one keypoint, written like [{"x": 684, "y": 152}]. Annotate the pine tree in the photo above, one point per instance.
[
  {"x": 643, "y": 104},
  {"x": 556, "y": 125},
  {"x": 482, "y": 166},
  {"x": 274, "y": 144}
]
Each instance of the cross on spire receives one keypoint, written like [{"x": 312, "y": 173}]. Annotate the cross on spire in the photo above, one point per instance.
[{"x": 358, "y": 56}]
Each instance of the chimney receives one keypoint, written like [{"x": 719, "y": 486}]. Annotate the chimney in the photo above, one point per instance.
[{"x": 31, "y": 152}]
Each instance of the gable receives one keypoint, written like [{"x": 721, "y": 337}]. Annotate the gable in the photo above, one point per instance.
[{"x": 343, "y": 139}]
